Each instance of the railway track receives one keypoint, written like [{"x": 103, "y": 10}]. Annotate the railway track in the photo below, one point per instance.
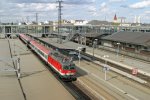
[
  {"x": 95, "y": 91},
  {"x": 93, "y": 58},
  {"x": 95, "y": 79}
]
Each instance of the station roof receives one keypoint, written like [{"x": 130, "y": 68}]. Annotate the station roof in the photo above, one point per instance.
[
  {"x": 93, "y": 34},
  {"x": 138, "y": 38},
  {"x": 64, "y": 45}
]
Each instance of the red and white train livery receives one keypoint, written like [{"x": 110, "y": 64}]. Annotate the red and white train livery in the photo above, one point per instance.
[{"x": 60, "y": 63}]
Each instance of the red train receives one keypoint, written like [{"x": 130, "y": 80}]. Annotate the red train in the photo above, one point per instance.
[{"x": 60, "y": 63}]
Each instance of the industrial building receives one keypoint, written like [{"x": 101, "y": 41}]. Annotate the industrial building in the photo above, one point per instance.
[{"x": 138, "y": 42}]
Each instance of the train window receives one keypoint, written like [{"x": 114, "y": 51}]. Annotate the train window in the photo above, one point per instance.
[
  {"x": 35, "y": 48},
  {"x": 72, "y": 66},
  {"x": 39, "y": 51},
  {"x": 42, "y": 53},
  {"x": 45, "y": 56},
  {"x": 65, "y": 67}
]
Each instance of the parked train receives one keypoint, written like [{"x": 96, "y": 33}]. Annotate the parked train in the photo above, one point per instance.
[{"x": 60, "y": 63}]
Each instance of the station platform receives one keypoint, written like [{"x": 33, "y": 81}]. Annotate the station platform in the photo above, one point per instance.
[
  {"x": 37, "y": 82},
  {"x": 143, "y": 67},
  {"x": 9, "y": 85}
]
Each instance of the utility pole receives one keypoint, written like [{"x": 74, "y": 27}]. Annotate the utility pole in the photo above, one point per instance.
[
  {"x": 59, "y": 20},
  {"x": 27, "y": 18}
]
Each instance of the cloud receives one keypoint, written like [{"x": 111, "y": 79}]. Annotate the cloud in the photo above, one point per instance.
[
  {"x": 30, "y": 7},
  {"x": 75, "y": 2},
  {"x": 16, "y": 11},
  {"x": 124, "y": 6},
  {"x": 116, "y": 0},
  {"x": 37, "y": 6},
  {"x": 142, "y": 4},
  {"x": 147, "y": 12},
  {"x": 92, "y": 9},
  {"x": 31, "y": 1},
  {"x": 1, "y": 11},
  {"x": 78, "y": 2},
  {"x": 103, "y": 7}
]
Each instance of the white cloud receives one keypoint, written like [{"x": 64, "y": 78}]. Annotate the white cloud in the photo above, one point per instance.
[
  {"x": 116, "y": 0},
  {"x": 147, "y": 12},
  {"x": 79, "y": 2},
  {"x": 38, "y": 6},
  {"x": 142, "y": 4},
  {"x": 103, "y": 7},
  {"x": 20, "y": 5},
  {"x": 92, "y": 9},
  {"x": 1, "y": 11}
]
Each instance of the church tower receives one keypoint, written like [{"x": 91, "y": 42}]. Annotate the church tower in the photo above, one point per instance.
[{"x": 115, "y": 19}]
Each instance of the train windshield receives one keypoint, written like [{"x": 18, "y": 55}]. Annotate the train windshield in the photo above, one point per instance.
[{"x": 72, "y": 66}]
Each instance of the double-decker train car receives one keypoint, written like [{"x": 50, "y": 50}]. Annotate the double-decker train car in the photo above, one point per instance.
[{"x": 61, "y": 64}]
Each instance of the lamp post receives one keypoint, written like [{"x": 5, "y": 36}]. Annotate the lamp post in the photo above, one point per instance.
[
  {"x": 78, "y": 39},
  {"x": 118, "y": 44},
  {"x": 79, "y": 55},
  {"x": 85, "y": 41},
  {"x": 82, "y": 40},
  {"x": 94, "y": 45},
  {"x": 105, "y": 66},
  {"x": 96, "y": 41}
]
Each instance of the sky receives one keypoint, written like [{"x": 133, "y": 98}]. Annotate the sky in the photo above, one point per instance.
[{"x": 23, "y": 10}]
